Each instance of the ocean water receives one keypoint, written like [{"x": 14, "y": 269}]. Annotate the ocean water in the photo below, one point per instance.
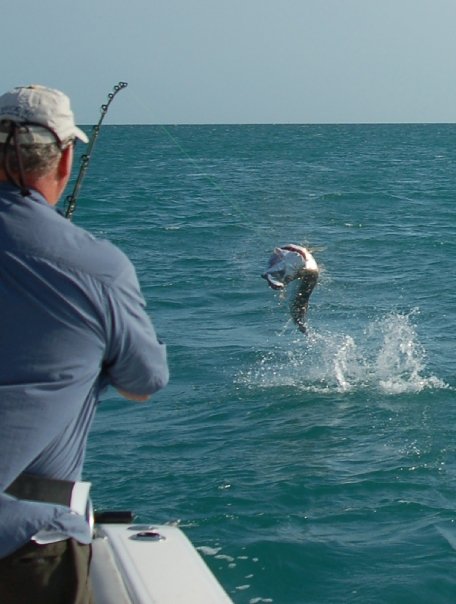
[{"x": 306, "y": 469}]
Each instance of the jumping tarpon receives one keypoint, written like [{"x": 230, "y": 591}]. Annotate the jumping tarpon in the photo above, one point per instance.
[{"x": 289, "y": 263}]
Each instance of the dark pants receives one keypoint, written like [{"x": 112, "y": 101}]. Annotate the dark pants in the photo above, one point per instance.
[{"x": 56, "y": 573}]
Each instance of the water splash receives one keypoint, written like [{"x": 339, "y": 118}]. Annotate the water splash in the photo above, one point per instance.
[
  {"x": 387, "y": 357},
  {"x": 345, "y": 361},
  {"x": 400, "y": 364}
]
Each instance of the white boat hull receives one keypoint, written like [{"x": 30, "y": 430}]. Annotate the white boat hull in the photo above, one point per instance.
[{"x": 138, "y": 564}]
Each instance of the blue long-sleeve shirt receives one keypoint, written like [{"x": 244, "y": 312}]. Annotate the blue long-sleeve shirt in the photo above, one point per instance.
[{"x": 72, "y": 320}]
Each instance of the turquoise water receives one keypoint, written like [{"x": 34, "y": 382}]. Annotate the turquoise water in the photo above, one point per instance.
[{"x": 307, "y": 469}]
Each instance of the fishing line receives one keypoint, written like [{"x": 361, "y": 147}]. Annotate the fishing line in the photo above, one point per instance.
[
  {"x": 71, "y": 199},
  {"x": 210, "y": 179},
  {"x": 302, "y": 293},
  {"x": 307, "y": 279}
]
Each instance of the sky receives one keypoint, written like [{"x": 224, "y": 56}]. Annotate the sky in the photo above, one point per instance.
[{"x": 239, "y": 61}]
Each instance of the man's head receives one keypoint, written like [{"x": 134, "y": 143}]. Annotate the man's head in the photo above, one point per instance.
[{"x": 37, "y": 129}]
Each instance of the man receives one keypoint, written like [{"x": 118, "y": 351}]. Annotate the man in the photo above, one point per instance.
[{"x": 72, "y": 321}]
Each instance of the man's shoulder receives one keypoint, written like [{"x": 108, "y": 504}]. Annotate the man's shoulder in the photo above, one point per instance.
[
  {"x": 34, "y": 229},
  {"x": 98, "y": 257},
  {"x": 53, "y": 240}
]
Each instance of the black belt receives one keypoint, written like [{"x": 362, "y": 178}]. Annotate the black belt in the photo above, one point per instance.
[
  {"x": 38, "y": 488},
  {"x": 75, "y": 495}
]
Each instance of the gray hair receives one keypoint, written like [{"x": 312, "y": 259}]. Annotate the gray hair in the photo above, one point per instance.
[{"x": 36, "y": 158}]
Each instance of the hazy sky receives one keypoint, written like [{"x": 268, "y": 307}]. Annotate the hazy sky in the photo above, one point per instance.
[{"x": 239, "y": 61}]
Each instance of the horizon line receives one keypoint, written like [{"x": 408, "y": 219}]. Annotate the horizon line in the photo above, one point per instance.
[{"x": 437, "y": 123}]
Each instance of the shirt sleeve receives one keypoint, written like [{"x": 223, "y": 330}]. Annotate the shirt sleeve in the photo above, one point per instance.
[
  {"x": 21, "y": 519},
  {"x": 135, "y": 358}
]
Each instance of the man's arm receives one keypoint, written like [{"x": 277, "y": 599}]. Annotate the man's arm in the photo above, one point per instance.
[{"x": 135, "y": 361}]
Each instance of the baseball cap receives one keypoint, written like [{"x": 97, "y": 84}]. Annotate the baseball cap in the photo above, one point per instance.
[{"x": 45, "y": 112}]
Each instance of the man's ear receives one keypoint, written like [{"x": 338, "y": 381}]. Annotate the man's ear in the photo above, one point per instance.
[{"x": 66, "y": 163}]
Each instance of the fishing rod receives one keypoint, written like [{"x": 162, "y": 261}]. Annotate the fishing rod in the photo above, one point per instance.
[{"x": 71, "y": 199}]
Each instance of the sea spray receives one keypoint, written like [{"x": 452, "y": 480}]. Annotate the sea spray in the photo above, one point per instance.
[{"x": 387, "y": 356}]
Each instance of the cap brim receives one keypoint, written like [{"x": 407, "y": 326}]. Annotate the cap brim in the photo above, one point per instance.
[{"x": 82, "y": 136}]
